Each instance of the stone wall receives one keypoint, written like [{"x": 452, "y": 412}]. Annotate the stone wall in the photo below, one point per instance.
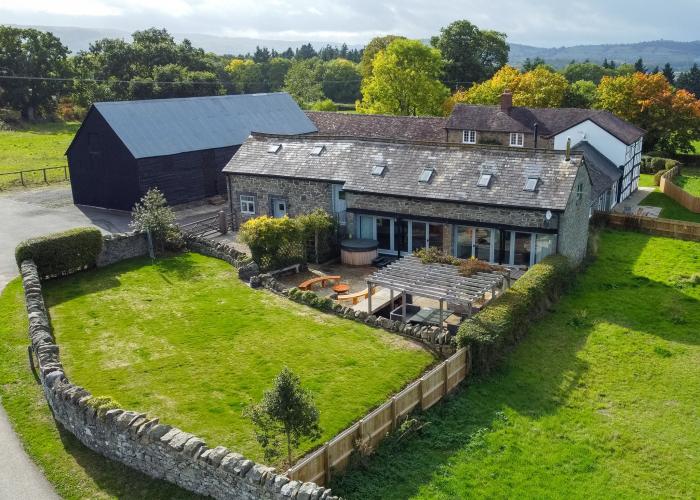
[
  {"x": 407, "y": 207},
  {"x": 502, "y": 138},
  {"x": 573, "y": 227},
  {"x": 302, "y": 196},
  {"x": 122, "y": 246},
  {"x": 141, "y": 441}
]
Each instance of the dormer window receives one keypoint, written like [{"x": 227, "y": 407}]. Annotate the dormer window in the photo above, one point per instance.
[
  {"x": 318, "y": 150},
  {"x": 531, "y": 183},
  {"x": 274, "y": 148},
  {"x": 484, "y": 180},
  {"x": 517, "y": 139},
  {"x": 426, "y": 175},
  {"x": 378, "y": 170},
  {"x": 469, "y": 136}
]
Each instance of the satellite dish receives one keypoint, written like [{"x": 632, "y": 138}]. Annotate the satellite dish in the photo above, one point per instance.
[{"x": 548, "y": 215}]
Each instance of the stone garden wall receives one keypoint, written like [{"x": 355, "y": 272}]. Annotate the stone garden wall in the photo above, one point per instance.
[
  {"x": 122, "y": 246},
  {"x": 138, "y": 440}
]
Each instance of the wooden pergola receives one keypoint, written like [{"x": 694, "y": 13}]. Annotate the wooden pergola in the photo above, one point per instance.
[{"x": 441, "y": 282}]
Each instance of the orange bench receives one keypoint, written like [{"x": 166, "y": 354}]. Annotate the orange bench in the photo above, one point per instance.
[
  {"x": 306, "y": 285},
  {"x": 357, "y": 296}
]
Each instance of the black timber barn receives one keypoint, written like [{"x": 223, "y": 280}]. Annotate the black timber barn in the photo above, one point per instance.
[{"x": 180, "y": 146}]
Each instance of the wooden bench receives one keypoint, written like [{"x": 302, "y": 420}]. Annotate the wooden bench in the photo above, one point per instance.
[
  {"x": 357, "y": 296},
  {"x": 306, "y": 285}
]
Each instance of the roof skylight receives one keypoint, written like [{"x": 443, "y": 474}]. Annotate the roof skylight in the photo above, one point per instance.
[
  {"x": 426, "y": 174},
  {"x": 531, "y": 184},
  {"x": 274, "y": 148},
  {"x": 378, "y": 170},
  {"x": 318, "y": 150},
  {"x": 484, "y": 180}
]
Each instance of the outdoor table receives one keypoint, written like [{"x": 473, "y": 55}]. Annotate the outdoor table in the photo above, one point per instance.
[
  {"x": 341, "y": 288},
  {"x": 430, "y": 316}
]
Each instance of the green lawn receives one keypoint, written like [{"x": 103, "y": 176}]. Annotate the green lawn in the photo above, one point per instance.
[
  {"x": 599, "y": 401},
  {"x": 186, "y": 341},
  {"x": 670, "y": 209},
  {"x": 689, "y": 181},
  {"x": 36, "y": 146},
  {"x": 75, "y": 471},
  {"x": 646, "y": 180}
]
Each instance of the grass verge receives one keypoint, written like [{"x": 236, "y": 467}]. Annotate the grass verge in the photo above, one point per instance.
[
  {"x": 670, "y": 208},
  {"x": 599, "y": 401}
]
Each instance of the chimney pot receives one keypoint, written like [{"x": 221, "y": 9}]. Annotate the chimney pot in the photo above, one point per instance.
[{"x": 506, "y": 101}]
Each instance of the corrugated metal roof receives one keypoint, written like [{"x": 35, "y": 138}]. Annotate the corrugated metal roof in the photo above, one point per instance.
[{"x": 160, "y": 127}]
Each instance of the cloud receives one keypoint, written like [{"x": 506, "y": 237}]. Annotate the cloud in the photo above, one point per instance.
[{"x": 538, "y": 22}]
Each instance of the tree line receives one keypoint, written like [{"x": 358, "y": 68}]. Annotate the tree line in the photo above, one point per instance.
[{"x": 391, "y": 75}]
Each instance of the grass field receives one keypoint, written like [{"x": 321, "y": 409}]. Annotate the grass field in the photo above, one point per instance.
[
  {"x": 186, "y": 341},
  {"x": 689, "y": 181},
  {"x": 670, "y": 209},
  {"x": 36, "y": 146},
  {"x": 646, "y": 180},
  {"x": 599, "y": 401}
]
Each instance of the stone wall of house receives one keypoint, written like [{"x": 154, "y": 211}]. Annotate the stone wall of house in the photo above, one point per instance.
[
  {"x": 514, "y": 217},
  {"x": 502, "y": 138},
  {"x": 141, "y": 441},
  {"x": 302, "y": 196},
  {"x": 573, "y": 227},
  {"x": 122, "y": 246}
]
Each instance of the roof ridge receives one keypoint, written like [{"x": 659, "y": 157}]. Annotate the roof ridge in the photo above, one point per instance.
[
  {"x": 191, "y": 98},
  {"x": 372, "y": 115}
]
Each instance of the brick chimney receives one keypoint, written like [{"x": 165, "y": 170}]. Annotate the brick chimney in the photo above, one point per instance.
[{"x": 506, "y": 101}]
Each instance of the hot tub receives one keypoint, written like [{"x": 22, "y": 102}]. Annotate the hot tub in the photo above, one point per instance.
[{"x": 358, "y": 252}]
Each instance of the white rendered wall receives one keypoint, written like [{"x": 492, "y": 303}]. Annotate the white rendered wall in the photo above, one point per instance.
[{"x": 610, "y": 146}]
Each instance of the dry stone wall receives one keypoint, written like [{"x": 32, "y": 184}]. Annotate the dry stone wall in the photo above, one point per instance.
[
  {"x": 141, "y": 441},
  {"x": 122, "y": 246}
]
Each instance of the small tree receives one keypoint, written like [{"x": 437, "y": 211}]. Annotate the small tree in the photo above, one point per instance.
[
  {"x": 153, "y": 215},
  {"x": 316, "y": 224},
  {"x": 286, "y": 412}
]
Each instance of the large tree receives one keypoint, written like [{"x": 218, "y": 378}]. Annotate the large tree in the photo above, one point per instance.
[
  {"x": 670, "y": 117},
  {"x": 341, "y": 81},
  {"x": 33, "y": 53},
  {"x": 540, "y": 88},
  {"x": 303, "y": 80},
  {"x": 374, "y": 46},
  {"x": 690, "y": 80},
  {"x": 588, "y": 71},
  {"x": 405, "y": 80},
  {"x": 471, "y": 55}
]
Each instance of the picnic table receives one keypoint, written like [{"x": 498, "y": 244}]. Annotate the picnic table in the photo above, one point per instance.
[{"x": 430, "y": 316}]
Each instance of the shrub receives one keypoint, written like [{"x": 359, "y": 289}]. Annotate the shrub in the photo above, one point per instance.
[
  {"x": 153, "y": 215},
  {"x": 433, "y": 255},
  {"x": 274, "y": 242},
  {"x": 471, "y": 266},
  {"x": 62, "y": 253},
  {"x": 507, "y": 317},
  {"x": 324, "y": 105},
  {"x": 657, "y": 177},
  {"x": 658, "y": 163}
]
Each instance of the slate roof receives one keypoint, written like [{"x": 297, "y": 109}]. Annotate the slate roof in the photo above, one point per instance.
[
  {"x": 412, "y": 128},
  {"x": 551, "y": 121},
  {"x": 457, "y": 168},
  {"x": 602, "y": 171},
  {"x": 159, "y": 127}
]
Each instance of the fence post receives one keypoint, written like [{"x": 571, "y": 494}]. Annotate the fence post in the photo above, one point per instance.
[
  {"x": 445, "y": 372},
  {"x": 421, "y": 391},
  {"x": 44, "y": 172},
  {"x": 21, "y": 178},
  {"x": 361, "y": 431},
  {"x": 223, "y": 228},
  {"x": 65, "y": 173},
  {"x": 393, "y": 413},
  {"x": 327, "y": 463}
]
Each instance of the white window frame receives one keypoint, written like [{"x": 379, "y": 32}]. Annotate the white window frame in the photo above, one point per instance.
[
  {"x": 519, "y": 141},
  {"x": 246, "y": 202},
  {"x": 469, "y": 136}
]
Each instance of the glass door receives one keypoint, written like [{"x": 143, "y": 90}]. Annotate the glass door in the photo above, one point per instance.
[
  {"x": 418, "y": 235},
  {"x": 385, "y": 234},
  {"x": 482, "y": 244},
  {"x": 464, "y": 242}
]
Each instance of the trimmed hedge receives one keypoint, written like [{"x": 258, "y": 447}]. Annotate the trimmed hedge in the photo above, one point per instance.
[
  {"x": 506, "y": 319},
  {"x": 58, "y": 254}
]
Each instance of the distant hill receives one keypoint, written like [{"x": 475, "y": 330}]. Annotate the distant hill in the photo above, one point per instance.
[{"x": 681, "y": 55}]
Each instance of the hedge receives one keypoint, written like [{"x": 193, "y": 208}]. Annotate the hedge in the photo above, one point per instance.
[
  {"x": 506, "y": 319},
  {"x": 62, "y": 253}
]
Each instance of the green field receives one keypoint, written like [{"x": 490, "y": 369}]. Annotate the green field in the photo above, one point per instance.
[
  {"x": 670, "y": 209},
  {"x": 689, "y": 181},
  {"x": 646, "y": 180},
  {"x": 36, "y": 146},
  {"x": 599, "y": 401}
]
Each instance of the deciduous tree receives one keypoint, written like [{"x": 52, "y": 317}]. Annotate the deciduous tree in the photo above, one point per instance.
[
  {"x": 303, "y": 80},
  {"x": 374, "y": 46},
  {"x": 405, "y": 81},
  {"x": 540, "y": 88},
  {"x": 690, "y": 80},
  {"x": 341, "y": 81}
]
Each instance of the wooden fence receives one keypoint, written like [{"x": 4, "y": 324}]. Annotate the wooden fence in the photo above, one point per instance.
[
  {"x": 682, "y": 196},
  {"x": 34, "y": 176},
  {"x": 366, "y": 434},
  {"x": 661, "y": 227}
]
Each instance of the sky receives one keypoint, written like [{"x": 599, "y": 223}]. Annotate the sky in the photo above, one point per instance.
[{"x": 546, "y": 23}]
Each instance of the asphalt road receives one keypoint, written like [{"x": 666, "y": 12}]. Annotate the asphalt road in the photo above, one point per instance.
[{"x": 25, "y": 214}]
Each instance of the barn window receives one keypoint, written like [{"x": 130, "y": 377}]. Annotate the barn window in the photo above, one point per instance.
[{"x": 247, "y": 204}]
